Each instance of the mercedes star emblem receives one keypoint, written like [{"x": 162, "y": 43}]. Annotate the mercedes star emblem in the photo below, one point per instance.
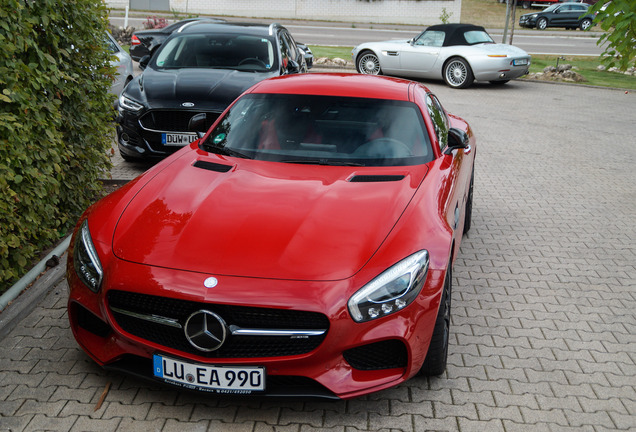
[{"x": 205, "y": 330}]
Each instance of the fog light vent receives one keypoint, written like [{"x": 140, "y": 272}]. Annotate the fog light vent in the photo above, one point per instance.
[
  {"x": 387, "y": 354},
  {"x": 89, "y": 322}
]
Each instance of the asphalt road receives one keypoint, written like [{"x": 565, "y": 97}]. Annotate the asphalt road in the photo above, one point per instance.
[{"x": 337, "y": 34}]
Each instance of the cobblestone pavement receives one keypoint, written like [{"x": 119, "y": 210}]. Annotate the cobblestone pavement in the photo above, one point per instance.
[{"x": 544, "y": 299}]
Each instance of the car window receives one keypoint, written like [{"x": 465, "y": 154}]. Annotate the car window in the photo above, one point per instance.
[
  {"x": 111, "y": 46},
  {"x": 323, "y": 130},
  {"x": 439, "y": 119},
  {"x": 287, "y": 49},
  {"x": 477, "y": 36},
  {"x": 221, "y": 51},
  {"x": 431, "y": 38}
]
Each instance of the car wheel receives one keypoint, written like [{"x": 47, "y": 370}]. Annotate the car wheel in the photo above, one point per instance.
[
  {"x": 542, "y": 23},
  {"x": 525, "y": 4},
  {"x": 586, "y": 23},
  {"x": 468, "y": 210},
  {"x": 457, "y": 73},
  {"x": 368, "y": 63},
  {"x": 435, "y": 361}
]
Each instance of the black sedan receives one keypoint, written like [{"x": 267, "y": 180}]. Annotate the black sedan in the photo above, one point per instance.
[
  {"x": 193, "y": 77},
  {"x": 146, "y": 42},
  {"x": 568, "y": 15}
]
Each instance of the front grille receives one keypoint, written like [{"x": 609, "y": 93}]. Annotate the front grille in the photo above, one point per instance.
[
  {"x": 386, "y": 354},
  {"x": 241, "y": 316},
  {"x": 174, "y": 121}
]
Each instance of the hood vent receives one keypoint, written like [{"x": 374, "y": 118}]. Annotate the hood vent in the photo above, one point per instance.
[
  {"x": 375, "y": 178},
  {"x": 210, "y": 166}
]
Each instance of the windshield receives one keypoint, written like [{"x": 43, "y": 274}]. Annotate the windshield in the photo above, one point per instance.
[
  {"x": 552, "y": 7},
  {"x": 477, "y": 36},
  {"x": 324, "y": 130},
  {"x": 431, "y": 38},
  {"x": 224, "y": 51}
]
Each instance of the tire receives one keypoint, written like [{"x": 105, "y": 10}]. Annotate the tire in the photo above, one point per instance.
[
  {"x": 435, "y": 362},
  {"x": 368, "y": 63},
  {"x": 525, "y": 4},
  {"x": 585, "y": 24},
  {"x": 542, "y": 23},
  {"x": 468, "y": 210},
  {"x": 457, "y": 73}
]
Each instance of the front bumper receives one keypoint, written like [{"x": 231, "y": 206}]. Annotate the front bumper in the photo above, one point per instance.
[
  {"x": 353, "y": 358},
  {"x": 528, "y": 22},
  {"x": 143, "y": 135}
]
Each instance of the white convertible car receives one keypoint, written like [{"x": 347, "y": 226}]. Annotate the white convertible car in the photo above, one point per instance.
[{"x": 458, "y": 53}]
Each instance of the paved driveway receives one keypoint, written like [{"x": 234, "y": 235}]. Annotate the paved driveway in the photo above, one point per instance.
[{"x": 544, "y": 299}]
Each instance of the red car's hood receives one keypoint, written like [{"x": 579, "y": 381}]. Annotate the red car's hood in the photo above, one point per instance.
[{"x": 263, "y": 219}]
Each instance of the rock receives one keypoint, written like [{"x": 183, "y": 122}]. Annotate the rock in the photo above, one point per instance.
[{"x": 336, "y": 62}]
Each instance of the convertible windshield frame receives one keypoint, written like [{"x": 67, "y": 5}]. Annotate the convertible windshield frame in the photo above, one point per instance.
[{"x": 323, "y": 130}]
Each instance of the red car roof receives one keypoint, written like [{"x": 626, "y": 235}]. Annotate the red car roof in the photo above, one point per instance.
[{"x": 338, "y": 84}]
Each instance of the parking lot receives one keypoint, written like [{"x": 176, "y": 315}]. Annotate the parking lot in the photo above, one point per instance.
[{"x": 543, "y": 333}]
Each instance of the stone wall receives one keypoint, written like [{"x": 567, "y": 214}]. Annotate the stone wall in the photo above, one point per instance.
[{"x": 420, "y": 12}]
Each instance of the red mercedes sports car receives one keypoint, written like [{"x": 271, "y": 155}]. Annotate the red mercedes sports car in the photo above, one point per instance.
[{"x": 303, "y": 246}]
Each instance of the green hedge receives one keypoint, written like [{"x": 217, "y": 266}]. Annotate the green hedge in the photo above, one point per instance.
[{"x": 55, "y": 122}]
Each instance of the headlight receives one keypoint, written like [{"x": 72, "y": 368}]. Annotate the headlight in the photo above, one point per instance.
[
  {"x": 392, "y": 290},
  {"x": 86, "y": 261},
  {"x": 129, "y": 104}
]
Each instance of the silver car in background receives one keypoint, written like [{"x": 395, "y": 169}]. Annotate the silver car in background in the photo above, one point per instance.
[
  {"x": 457, "y": 53},
  {"x": 122, "y": 62}
]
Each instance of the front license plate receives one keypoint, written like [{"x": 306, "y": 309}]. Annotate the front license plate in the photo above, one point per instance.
[
  {"x": 218, "y": 379},
  {"x": 520, "y": 62},
  {"x": 170, "y": 139}
]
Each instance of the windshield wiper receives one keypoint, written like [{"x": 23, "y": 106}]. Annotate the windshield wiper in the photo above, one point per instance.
[
  {"x": 224, "y": 151},
  {"x": 322, "y": 162}
]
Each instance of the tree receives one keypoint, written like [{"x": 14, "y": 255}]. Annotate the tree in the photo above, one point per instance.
[{"x": 618, "y": 20}]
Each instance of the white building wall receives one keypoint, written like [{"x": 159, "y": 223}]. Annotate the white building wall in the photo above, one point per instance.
[{"x": 422, "y": 12}]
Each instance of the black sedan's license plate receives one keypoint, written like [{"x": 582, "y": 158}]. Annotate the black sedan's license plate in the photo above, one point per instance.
[
  {"x": 218, "y": 379},
  {"x": 174, "y": 139}
]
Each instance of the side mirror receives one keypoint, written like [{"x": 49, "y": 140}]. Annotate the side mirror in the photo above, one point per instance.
[
  {"x": 293, "y": 67},
  {"x": 457, "y": 139},
  {"x": 143, "y": 62},
  {"x": 198, "y": 124},
  {"x": 411, "y": 41}
]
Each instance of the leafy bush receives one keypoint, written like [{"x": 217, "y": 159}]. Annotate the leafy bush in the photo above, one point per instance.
[
  {"x": 618, "y": 21},
  {"x": 55, "y": 122}
]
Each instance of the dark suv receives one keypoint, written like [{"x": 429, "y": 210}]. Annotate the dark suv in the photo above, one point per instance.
[
  {"x": 568, "y": 15},
  {"x": 193, "y": 77}
]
